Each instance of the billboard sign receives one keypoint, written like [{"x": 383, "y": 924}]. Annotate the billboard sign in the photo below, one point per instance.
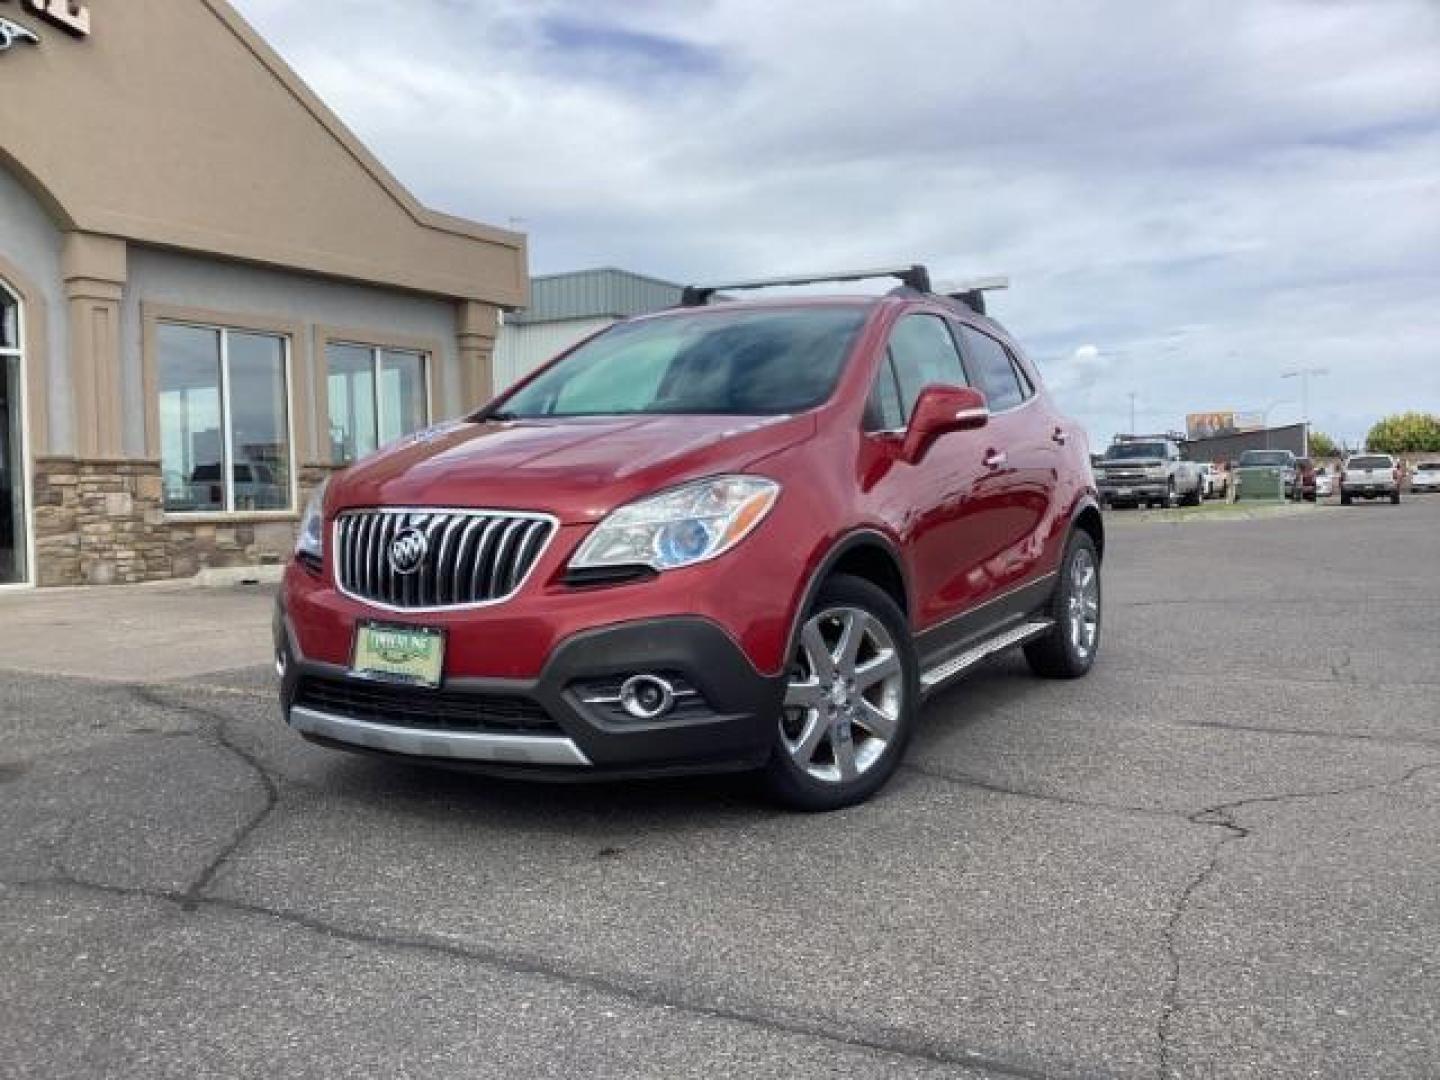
[{"x": 1207, "y": 425}]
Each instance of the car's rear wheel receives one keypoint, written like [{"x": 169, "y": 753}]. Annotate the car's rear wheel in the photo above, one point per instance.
[
  {"x": 850, "y": 701},
  {"x": 1068, "y": 650}
]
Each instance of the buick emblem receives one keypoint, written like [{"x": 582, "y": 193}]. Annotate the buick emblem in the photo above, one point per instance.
[{"x": 408, "y": 550}]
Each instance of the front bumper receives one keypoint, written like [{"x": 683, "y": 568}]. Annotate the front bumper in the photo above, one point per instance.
[
  {"x": 1128, "y": 491},
  {"x": 564, "y": 724}
]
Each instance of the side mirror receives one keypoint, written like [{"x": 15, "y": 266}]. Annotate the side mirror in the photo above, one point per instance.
[{"x": 942, "y": 409}]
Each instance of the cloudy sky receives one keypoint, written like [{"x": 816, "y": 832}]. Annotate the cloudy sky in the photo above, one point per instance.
[{"x": 1189, "y": 198}]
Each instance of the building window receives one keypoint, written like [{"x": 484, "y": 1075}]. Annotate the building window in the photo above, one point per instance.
[
  {"x": 13, "y": 534},
  {"x": 224, "y": 419},
  {"x": 376, "y": 396}
]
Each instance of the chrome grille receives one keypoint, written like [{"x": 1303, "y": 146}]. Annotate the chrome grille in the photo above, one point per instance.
[{"x": 469, "y": 556}]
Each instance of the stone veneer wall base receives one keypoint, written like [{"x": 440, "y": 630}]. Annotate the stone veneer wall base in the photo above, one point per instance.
[{"x": 102, "y": 522}]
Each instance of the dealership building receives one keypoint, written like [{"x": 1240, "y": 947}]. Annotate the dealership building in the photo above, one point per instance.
[{"x": 211, "y": 294}]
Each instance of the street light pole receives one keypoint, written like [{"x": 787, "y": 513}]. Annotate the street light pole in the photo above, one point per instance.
[
  {"x": 1132, "y": 412},
  {"x": 1304, "y": 374}
]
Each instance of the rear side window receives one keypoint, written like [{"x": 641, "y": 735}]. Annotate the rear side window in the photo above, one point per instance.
[
  {"x": 922, "y": 352},
  {"x": 994, "y": 370}
]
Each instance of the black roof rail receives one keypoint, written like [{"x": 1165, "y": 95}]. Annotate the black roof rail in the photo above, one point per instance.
[
  {"x": 914, "y": 276},
  {"x": 972, "y": 293}
]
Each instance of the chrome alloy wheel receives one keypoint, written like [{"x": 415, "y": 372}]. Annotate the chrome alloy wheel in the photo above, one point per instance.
[
  {"x": 846, "y": 692},
  {"x": 1082, "y": 606}
]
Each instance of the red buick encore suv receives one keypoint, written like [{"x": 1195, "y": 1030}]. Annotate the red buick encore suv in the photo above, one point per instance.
[{"x": 729, "y": 536}]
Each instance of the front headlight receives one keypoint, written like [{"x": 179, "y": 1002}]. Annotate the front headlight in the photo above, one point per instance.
[
  {"x": 680, "y": 527},
  {"x": 311, "y": 540}
]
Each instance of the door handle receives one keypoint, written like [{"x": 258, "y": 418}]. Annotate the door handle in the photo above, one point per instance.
[
  {"x": 995, "y": 458},
  {"x": 1059, "y": 436}
]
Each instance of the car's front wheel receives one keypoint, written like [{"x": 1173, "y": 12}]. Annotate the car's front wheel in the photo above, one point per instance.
[{"x": 851, "y": 697}]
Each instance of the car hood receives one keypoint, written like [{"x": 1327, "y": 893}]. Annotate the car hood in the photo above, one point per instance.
[{"x": 578, "y": 469}]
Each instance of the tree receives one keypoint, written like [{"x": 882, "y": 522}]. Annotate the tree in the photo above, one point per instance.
[
  {"x": 1405, "y": 433},
  {"x": 1322, "y": 445}
]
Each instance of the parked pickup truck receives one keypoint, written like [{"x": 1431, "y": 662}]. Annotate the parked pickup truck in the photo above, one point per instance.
[
  {"x": 1148, "y": 471},
  {"x": 1370, "y": 476}
]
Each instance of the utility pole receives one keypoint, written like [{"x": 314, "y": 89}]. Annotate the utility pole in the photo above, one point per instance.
[
  {"x": 1132, "y": 412},
  {"x": 1304, "y": 374}
]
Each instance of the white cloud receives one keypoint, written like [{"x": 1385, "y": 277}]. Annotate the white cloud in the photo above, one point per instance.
[{"x": 1205, "y": 194}]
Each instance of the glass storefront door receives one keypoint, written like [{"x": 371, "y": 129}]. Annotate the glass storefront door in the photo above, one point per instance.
[{"x": 13, "y": 569}]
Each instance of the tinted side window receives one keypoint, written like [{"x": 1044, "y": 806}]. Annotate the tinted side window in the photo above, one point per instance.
[
  {"x": 993, "y": 369},
  {"x": 923, "y": 352}
]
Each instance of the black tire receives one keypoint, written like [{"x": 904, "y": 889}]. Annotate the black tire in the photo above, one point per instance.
[
  {"x": 1196, "y": 497},
  {"x": 1057, "y": 655},
  {"x": 784, "y": 778},
  {"x": 1344, "y": 497}
]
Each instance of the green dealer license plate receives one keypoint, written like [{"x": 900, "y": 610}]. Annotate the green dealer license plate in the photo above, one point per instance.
[{"x": 408, "y": 654}]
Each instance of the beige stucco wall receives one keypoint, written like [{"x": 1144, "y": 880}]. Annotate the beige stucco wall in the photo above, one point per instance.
[
  {"x": 173, "y": 124},
  {"x": 169, "y": 162}
]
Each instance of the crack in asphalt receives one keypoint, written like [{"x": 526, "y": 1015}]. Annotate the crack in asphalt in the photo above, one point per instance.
[
  {"x": 961, "y": 780},
  {"x": 889, "y": 1040},
  {"x": 1222, "y": 816},
  {"x": 1311, "y": 733},
  {"x": 217, "y": 725}
]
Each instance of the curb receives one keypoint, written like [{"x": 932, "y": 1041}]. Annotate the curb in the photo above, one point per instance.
[{"x": 228, "y": 577}]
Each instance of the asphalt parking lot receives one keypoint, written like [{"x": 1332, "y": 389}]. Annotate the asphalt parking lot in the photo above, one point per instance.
[{"x": 1214, "y": 857}]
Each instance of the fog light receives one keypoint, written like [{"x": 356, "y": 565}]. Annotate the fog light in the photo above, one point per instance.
[{"x": 646, "y": 697}]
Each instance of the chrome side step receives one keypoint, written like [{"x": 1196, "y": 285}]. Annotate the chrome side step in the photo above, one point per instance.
[{"x": 961, "y": 662}]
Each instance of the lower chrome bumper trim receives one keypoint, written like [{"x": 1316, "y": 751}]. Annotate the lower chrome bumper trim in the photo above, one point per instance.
[{"x": 422, "y": 742}]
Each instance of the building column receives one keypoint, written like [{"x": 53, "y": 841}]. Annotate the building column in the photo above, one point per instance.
[
  {"x": 477, "y": 325},
  {"x": 94, "y": 269}
]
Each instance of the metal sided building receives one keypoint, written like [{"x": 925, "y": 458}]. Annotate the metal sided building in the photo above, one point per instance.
[
  {"x": 211, "y": 294},
  {"x": 566, "y": 308}
]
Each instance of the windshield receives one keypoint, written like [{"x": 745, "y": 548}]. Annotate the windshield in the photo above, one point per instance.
[
  {"x": 1371, "y": 463},
  {"x": 1266, "y": 457},
  {"x": 728, "y": 362},
  {"x": 1429, "y": 466},
  {"x": 1131, "y": 451}
]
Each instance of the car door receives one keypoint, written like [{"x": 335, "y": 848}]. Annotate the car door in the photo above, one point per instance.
[
  {"x": 937, "y": 505},
  {"x": 1024, "y": 457}
]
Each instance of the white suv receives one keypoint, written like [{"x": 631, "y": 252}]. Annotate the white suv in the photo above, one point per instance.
[{"x": 1426, "y": 477}]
